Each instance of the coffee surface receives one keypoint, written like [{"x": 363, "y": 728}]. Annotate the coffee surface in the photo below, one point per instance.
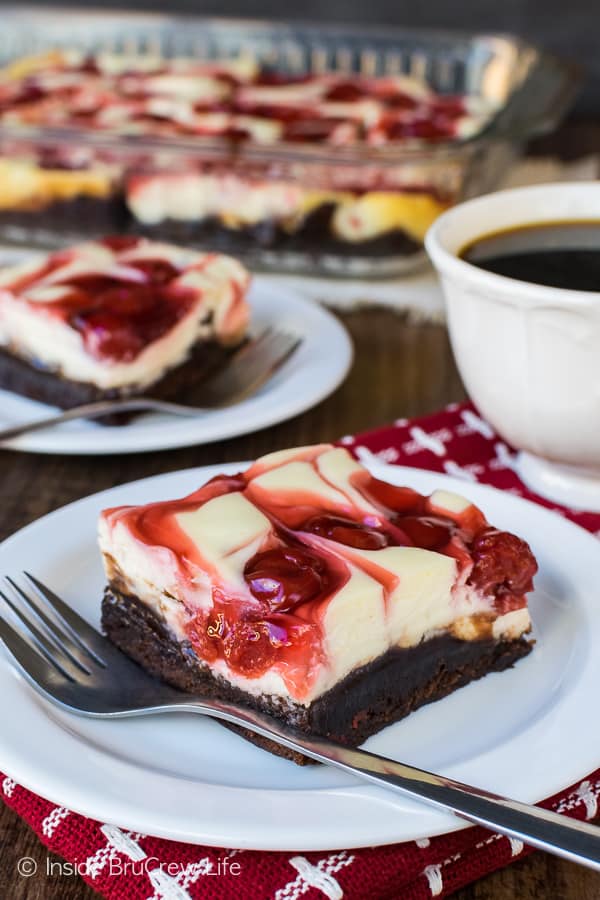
[{"x": 560, "y": 254}]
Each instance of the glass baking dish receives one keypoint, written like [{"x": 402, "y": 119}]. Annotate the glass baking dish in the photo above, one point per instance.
[{"x": 63, "y": 183}]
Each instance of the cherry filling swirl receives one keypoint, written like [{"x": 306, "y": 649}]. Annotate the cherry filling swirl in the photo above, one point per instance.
[
  {"x": 125, "y": 320},
  {"x": 427, "y": 532},
  {"x": 251, "y": 646},
  {"x": 391, "y": 498},
  {"x": 281, "y": 580},
  {"x": 348, "y": 532},
  {"x": 284, "y": 577},
  {"x": 117, "y": 316}
]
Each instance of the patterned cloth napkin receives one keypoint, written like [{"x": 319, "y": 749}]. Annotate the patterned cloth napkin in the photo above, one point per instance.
[{"x": 122, "y": 865}]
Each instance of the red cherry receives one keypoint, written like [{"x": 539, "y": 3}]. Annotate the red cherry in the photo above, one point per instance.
[
  {"x": 346, "y": 531},
  {"x": 205, "y": 634},
  {"x": 285, "y": 576},
  {"x": 427, "y": 532},
  {"x": 503, "y": 564},
  {"x": 248, "y": 648},
  {"x": 345, "y": 92}
]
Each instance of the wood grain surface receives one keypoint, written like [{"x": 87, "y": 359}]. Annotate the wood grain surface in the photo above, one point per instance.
[{"x": 401, "y": 369}]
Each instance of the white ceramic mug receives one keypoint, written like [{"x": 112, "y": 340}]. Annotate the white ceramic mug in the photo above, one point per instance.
[{"x": 529, "y": 355}]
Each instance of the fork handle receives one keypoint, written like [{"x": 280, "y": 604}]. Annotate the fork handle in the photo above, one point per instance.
[
  {"x": 541, "y": 828},
  {"x": 100, "y": 408}
]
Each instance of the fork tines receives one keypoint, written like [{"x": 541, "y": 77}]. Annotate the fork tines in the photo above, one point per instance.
[{"x": 50, "y": 628}]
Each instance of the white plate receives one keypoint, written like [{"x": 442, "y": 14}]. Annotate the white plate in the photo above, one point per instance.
[
  {"x": 313, "y": 372},
  {"x": 527, "y": 732}
]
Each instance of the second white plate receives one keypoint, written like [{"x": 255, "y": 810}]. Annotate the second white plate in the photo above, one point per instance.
[
  {"x": 313, "y": 372},
  {"x": 526, "y": 733}
]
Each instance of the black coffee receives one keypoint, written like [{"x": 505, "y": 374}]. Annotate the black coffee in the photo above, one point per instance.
[{"x": 558, "y": 254}]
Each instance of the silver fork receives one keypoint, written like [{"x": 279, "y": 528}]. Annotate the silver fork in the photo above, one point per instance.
[
  {"x": 72, "y": 665},
  {"x": 247, "y": 370}
]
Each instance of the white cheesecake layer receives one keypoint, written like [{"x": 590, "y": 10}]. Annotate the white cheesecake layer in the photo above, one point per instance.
[
  {"x": 190, "y": 197},
  {"x": 237, "y": 202}
]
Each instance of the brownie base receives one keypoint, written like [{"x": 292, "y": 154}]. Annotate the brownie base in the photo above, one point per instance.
[
  {"x": 79, "y": 217},
  {"x": 183, "y": 382},
  {"x": 95, "y": 217},
  {"x": 364, "y": 702},
  {"x": 315, "y": 237}
]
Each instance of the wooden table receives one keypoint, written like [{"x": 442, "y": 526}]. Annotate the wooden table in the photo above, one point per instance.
[{"x": 401, "y": 369}]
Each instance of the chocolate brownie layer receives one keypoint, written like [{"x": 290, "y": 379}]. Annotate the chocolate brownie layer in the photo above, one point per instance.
[
  {"x": 182, "y": 382},
  {"x": 79, "y": 217},
  {"x": 315, "y": 236},
  {"x": 367, "y": 700},
  {"x": 93, "y": 217}
]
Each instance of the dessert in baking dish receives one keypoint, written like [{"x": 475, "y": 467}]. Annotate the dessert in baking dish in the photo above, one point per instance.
[
  {"x": 313, "y": 591},
  {"x": 231, "y": 199},
  {"x": 118, "y": 317}
]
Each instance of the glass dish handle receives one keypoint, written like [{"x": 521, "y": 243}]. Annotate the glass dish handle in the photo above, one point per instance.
[{"x": 538, "y": 107}]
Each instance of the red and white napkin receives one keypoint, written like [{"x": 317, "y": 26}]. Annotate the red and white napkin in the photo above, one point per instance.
[{"x": 122, "y": 865}]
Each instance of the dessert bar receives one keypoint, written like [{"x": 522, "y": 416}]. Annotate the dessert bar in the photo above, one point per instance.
[
  {"x": 308, "y": 589},
  {"x": 118, "y": 317}
]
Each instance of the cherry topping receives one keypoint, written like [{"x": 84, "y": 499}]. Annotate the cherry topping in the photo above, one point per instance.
[
  {"x": 52, "y": 157},
  {"x": 347, "y": 531},
  {"x": 345, "y": 92},
  {"x": 118, "y": 317},
  {"x": 248, "y": 648},
  {"x": 28, "y": 93},
  {"x": 427, "y": 532},
  {"x": 51, "y": 264},
  {"x": 276, "y": 79},
  {"x": 204, "y": 635},
  {"x": 504, "y": 564},
  {"x": 119, "y": 320},
  {"x": 159, "y": 271},
  {"x": 252, "y": 645},
  {"x": 286, "y": 576},
  {"x": 280, "y": 111},
  {"x": 235, "y": 133},
  {"x": 451, "y": 107},
  {"x": 395, "y": 499},
  {"x": 90, "y": 66},
  {"x": 397, "y": 100},
  {"x": 228, "y": 483},
  {"x": 315, "y": 129},
  {"x": 120, "y": 242}
]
